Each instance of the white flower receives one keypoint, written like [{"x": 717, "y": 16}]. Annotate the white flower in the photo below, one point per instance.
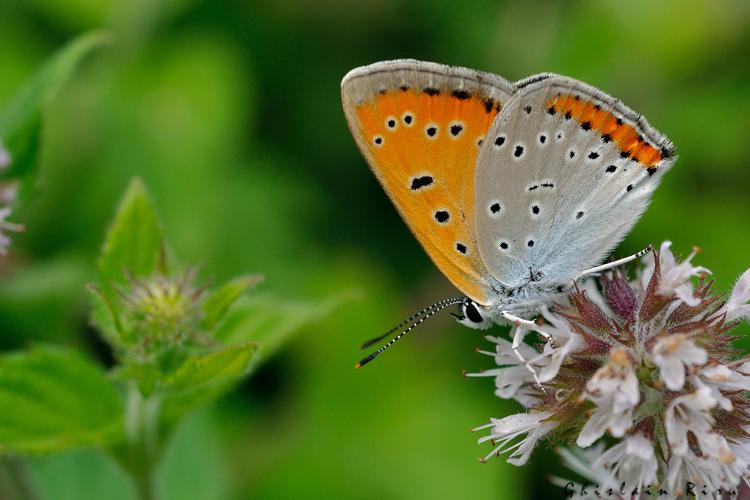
[
  {"x": 614, "y": 390},
  {"x": 672, "y": 354},
  {"x": 632, "y": 460},
  {"x": 691, "y": 468},
  {"x": 742, "y": 451},
  {"x": 729, "y": 468},
  {"x": 6, "y": 226},
  {"x": 690, "y": 412},
  {"x": 5, "y": 158},
  {"x": 565, "y": 342},
  {"x": 720, "y": 378},
  {"x": 8, "y": 192},
  {"x": 581, "y": 462},
  {"x": 506, "y": 430},
  {"x": 737, "y": 306},
  {"x": 511, "y": 375},
  {"x": 675, "y": 278}
]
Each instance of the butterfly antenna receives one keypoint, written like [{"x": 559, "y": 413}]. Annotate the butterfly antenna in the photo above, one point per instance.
[
  {"x": 420, "y": 317},
  {"x": 413, "y": 317}
]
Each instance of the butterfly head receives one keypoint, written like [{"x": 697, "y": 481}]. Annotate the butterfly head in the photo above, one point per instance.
[{"x": 473, "y": 315}]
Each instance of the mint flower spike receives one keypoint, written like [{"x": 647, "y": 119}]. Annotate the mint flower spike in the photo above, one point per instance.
[
  {"x": 5, "y": 225},
  {"x": 8, "y": 193},
  {"x": 5, "y": 158},
  {"x": 642, "y": 376}
]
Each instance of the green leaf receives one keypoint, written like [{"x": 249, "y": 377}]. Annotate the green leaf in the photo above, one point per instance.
[
  {"x": 134, "y": 240},
  {"x": 271, "y": 322},
  {"x": 219, "y": 302},
  {"x": 53, "y": 398},
  {"x": 21, "y": 120},
  {"x": 204, "y": 377}
]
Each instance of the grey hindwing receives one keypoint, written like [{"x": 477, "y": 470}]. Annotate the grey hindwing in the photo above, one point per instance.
[{"x": 553, "y": 195}]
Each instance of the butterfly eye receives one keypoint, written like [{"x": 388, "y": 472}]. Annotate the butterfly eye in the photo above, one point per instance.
[{"x": 472, "y": 312}]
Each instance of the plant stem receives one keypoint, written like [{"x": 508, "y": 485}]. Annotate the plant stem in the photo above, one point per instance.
[
  {"x": 14, "y": 483},
  {"x": 144, "y": 485},
  {"x": 143, "y": 447}
]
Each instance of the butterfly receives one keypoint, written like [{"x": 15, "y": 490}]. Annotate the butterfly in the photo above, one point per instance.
[{"x": 514, "y": 190}]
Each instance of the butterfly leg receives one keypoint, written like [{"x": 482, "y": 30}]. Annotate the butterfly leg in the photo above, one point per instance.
[
  {"x": 613, "y": 264},
  {"x": 530, "y": 324},
  {"x": 518, "y": 335}
]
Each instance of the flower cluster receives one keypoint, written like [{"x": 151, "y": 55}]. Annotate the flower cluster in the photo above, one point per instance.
[
  {"x": 648, "y": 363},
  {"x": 161, "y": 311},
  {"x": 8, "y": 194}
]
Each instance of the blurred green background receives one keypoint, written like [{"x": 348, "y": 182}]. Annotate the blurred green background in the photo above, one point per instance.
[{"x": 230, "y": 112}]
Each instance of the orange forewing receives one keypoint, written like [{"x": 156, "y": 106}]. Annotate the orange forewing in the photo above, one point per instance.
[{"x": 404, "y": 156}]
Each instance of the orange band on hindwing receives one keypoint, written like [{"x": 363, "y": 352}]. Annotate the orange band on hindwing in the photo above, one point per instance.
[{"x": 612, "y": 128}]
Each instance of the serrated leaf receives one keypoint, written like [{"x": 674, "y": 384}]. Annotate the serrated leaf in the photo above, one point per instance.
[
  {"x": 134, "y": 240},
  {"x": 204, "y": 377},
  {"x": 218, "y": 303},
  {"x": 52, "y": 398},
  {"x": 271, "y": 321},
  {"x": 21, "y": 120}
]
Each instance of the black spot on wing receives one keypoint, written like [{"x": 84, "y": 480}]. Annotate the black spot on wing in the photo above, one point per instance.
[
  {"x": 461, "y": 94},
  {"x": 488, "y": 104},
  {"x": 442, "y": 216},
  {"x": 420, "y": 182}
]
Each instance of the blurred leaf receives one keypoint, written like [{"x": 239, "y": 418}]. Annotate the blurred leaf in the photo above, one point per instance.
[
  {"x": 52, "y": 399},
  {"x": 43, "y": 302},
  {"x": 134, "y": 240},
  {"x": 196, "y": 452},
  {"x": 78, "y": 475},
  {"x": 218, "y": 303},
  {"x": 102, "y": 316},
  {"x": 21, "y": 121},
  {"x": 271, "y": 322},
  {"x": 204, "y": 377}
]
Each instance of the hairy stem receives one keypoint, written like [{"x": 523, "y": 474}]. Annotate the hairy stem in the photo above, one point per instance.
[{"x": 143, "y": 443}]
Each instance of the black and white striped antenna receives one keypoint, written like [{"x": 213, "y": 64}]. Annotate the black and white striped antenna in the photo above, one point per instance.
[{"x": 415, "y": 320}]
